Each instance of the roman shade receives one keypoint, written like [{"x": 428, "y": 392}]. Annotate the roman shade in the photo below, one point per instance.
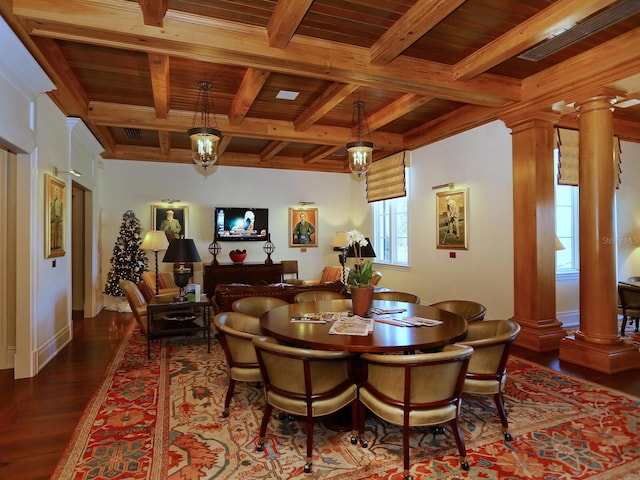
[
  {"x": 568, "y": 142},
  {"x": 385, "y": 178}
]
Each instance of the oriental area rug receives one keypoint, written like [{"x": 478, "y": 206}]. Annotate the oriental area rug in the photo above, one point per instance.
[{"x": 160, "y": 418}]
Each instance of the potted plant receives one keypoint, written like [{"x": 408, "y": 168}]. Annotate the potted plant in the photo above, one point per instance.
[{"x": 360, "y": 276}]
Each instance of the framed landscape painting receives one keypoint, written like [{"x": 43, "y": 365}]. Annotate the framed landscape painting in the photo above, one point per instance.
[
  {"x": 54, "y": 223},
  {"x": 303, "y": 227},
  {"x": 452, "y": 218},
  {"x": 171, "y": 220}
]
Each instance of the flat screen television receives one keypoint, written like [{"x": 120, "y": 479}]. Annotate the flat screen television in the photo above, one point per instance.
[{"x": 241, "y": 224}]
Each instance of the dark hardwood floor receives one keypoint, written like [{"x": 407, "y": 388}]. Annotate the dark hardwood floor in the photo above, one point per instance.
[{"x": 38, "y": 415}]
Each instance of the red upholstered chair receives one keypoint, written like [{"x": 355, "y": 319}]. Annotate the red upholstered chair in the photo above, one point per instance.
[{"x": 329, "y": 275}]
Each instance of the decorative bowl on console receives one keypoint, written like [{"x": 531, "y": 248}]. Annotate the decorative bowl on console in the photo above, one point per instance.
[{"x": 238, "y": 256}]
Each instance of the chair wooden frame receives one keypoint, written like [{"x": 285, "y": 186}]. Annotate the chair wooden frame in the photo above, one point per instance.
[{"x": 396, "y": 296}]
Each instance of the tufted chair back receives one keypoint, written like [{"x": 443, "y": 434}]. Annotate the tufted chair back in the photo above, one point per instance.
[
  {"x": 318, "y": 295},
  {"x": 487, "y": 373},
  {"x": 236, "y": 331},
  {"x": 396, "y": 297},
  {"x": 470, "y": 311},
  {"x": 257, "y": 305},
  {"x": 137, "y": 303},
  {"x": 305, "y": 382},
  {"x": 416, "y": 390}
]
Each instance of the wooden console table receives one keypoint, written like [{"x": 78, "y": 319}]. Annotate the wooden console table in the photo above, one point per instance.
[{"x": 249, "y": 273}]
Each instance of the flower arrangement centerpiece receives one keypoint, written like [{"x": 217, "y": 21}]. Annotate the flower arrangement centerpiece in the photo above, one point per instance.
[{"x": 361, "y": 274}]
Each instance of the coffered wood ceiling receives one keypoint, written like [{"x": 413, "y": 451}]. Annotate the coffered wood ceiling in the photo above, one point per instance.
[{"x": 426, "y": 70}]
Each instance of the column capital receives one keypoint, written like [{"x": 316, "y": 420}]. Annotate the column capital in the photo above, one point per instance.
[{"x": 529, "y": 119}]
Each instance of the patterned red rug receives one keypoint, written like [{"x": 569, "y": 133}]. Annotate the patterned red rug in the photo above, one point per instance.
[{"x": 160, "y": 418}]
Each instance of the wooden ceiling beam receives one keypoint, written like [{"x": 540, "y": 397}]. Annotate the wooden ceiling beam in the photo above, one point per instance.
[
  {"x": 419, "y": 19},
  {"x": 285, "y": 20},
  {"x": 395, "y": 110},
  {"x": 322, "y": 105},
  {"x": 252, "y": 82},
  {"x": 320, "y": 153},
  {"x": 159, "y": 69},
  {"x": 272, "y": 150},
  {"x": 117, "y": 25},
  {"x": 558, "y": 17},
  {"x": 153, "y": 11},
  {"x": 136, "y": 116},
  {"x": 164, "y": 141}
]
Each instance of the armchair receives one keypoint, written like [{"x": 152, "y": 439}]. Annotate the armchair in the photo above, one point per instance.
[
  {"x": 307, "y": 383},
  {"x": 257, "y": 305},
  {"x": 470, "y": 311},
  {"x": 166, "y": 284},
  {"x": 137, "y": 302},
  {"x": 487, "y": 373},
  {"x": 236, "y": 331},
  {"x": 416, "y": 390},
  {"x": 329, "y": 274}
]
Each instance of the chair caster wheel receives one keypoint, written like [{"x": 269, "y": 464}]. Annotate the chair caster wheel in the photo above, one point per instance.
[
  {"x": 225, "y": 414},
  {"x": 438, "y": 430},
  {"x": 364, "y": 444},
  {"x": 507, "y": 437},
  {"x": 465, "y": 466},
  {"x": 354, "y": 440},
  {"x": 260, "y": 447},
  {"x": 408, "y": 477},
  {"x": 307, "y": 467}
]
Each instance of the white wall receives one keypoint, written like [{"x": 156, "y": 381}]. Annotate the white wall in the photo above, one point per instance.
[
  {"x": 129, "y": 185},
  {"x": 628, "y": 213},
  {"x": 479, "y": 160}
]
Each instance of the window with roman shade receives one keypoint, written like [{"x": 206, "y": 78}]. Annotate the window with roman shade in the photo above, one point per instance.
[
  {"x": 568, "y": 142},
  {"x": 386, "y": 179}
]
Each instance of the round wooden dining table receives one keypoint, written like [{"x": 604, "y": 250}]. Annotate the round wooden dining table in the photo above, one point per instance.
[{"x": 385, "y": 337}]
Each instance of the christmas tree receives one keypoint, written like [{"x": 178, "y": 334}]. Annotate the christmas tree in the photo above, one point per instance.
[{"x": 128, "y": 261}]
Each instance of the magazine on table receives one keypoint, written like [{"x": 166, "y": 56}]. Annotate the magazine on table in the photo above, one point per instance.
[{"x": 354, "y": 325}]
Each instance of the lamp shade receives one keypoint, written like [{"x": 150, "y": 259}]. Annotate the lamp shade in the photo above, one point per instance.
[
  {"x": 155, "y": 240},
  {"x": 365, "y": 252},
  {"x": 340, "y": 241},
  {"x": 182, "y": 250},
  {"x": 559, "y": 245}
]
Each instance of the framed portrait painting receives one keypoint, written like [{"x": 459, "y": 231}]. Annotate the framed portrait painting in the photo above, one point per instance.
[
  {"x": 452, "y": 218},
  {"x": 54, "y": 223},
  {"x": 173, "y": 221},
  {"x": 303, "y": 227}
]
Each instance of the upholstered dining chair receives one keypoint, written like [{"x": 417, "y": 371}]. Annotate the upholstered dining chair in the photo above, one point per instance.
[
  {"x": 467, "y": 309},
  {"x": 629, "y": 307},
  {"x": 236, "y": 332},
  {"x": 317, "y": 295},
  {"x": 305, "y": 382},
  {"x": 416, "y": 390},
  {"x": 396, "y": 296},
  {"x": 487, "y": 373},
  {"x": 289, "y": 267},
  {"x": 257, "y": 305}
]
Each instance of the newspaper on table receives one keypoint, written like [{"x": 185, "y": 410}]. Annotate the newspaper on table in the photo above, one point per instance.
[
  {"x": 316, "y": 317},
  {"x": 410, "y": 321},
  {"x": 355, "y": 325}
]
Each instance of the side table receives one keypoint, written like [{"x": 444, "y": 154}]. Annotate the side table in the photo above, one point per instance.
[{"x": 166, "y": 318}]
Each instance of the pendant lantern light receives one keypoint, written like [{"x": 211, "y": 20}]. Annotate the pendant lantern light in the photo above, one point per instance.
[
  {"x": 360, "y": 151},
  {"x": 204, "y": 138}
]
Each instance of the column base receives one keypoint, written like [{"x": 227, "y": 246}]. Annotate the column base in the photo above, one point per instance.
[
  {"x": 602, "y": 358},
  {"x": 542, "y": 336}
]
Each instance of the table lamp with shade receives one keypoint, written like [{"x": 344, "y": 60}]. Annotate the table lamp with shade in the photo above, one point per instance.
[
  {"x": 365, "y": 252},
  {"x": 155, "y": 240},
  {"x": 181, "y": 251}
]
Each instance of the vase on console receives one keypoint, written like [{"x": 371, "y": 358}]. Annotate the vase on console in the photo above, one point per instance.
[{"x": 361, "y": 298}]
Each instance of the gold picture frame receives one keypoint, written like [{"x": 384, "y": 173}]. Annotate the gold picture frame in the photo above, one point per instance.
[
  {"x": 303, "y": 227},
  {"x": 452, "y": 219},
  {"x": 54, "y": 221},
  {"x": 175, "y": 227}
]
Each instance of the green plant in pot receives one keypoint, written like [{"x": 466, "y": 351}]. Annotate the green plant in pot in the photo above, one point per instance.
[{"x": 360, "y": 276}]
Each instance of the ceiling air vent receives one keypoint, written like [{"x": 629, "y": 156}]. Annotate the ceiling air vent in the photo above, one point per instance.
[
  {"x": 133, "y": 133},
  {"x": 594, "y": 24}
]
